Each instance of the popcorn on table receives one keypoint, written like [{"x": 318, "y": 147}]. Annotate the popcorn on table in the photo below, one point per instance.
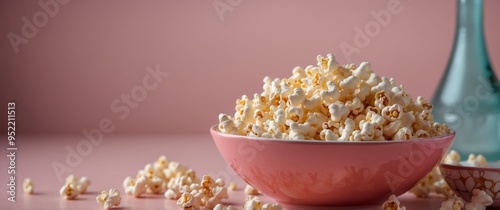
[
  {"x": 392, "y": 204},
  {"x": 189, "y": 202},
  {"x": 161, "y": 163},
  {"x": 254, "y": 203},
  {"x": 181, "y": 183},
  {"x": 249, "y": 190},
  {"x": 222, "y": 207},
  {"x": 453, "y": 203},
  {"x": 135, "y": 187},
  {"x": 170, "y": 178},
  {"x": 206, "y": 193},
  {"x": 109, "y": 199},
  {"x": 177, "y": 182},
  {"x": 74, "y": 186},
  {"x": 81, "y": 183},
  {"x": 156, "y": 185},
  {"x": 330, "y": 102},
  {"x": 479, "y": 200},
  {"x": 69, "y": 191},
  {"x": 28, "y": 187}
]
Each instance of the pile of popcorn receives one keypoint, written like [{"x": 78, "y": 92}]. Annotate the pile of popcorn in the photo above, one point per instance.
[
  {"x": 177, "y": 182},
  {"x": 159, "y": 177},
  {"x": 333, "y": 103},
  {"x": 174, "y": 180}
]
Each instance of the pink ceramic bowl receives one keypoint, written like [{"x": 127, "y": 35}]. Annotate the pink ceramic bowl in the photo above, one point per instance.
[
  {"x": 298, "y": 174},
  {"x": 464, "y": 179}
]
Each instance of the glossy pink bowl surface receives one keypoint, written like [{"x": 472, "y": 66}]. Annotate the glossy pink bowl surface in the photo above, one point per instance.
[
  {"x": 316, "y": 173},
  {"x": 463, "y": 179}
]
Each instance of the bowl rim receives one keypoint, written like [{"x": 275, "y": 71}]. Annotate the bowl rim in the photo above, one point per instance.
[
  {"x": 214, "y": 129},
  {"x": 475, "y": 168}
]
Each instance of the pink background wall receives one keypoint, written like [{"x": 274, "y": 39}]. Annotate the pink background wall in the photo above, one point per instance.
[{"x": 81, "y": 60}]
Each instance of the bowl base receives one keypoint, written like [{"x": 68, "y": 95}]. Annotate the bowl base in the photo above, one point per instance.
[{"x": 302, "y": 207}]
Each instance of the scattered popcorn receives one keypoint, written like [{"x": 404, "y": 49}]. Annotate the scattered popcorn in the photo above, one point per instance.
[
  {"x": 272, "y": 206},
  {"x": 189, "y": 202},
  {"x": 74, "y": 186},
  {"x": 81, "y": 183},
  {"x": 182, "y": 182},
  {"x": 28, "y": 186},
  {"x": 253, "y": 203},
  {"x": 249, "y": 190},
  {"x": 174, "y": 169},
  {"x": 479, "y": 200},
  {"x": 171, "y": 194},
  {"x": 214, "y": 191},
  {"x": 177, "y": 182},
  {"x": 392, "y": 204},
  {"x": 453, "y": 203},
  {"x": 72, "y": 179},
  {"x": 232, "y": 186},
  {"x": 330, "y": 102},
  {"x": 135, "y": 187},
  {"x": 69, "y": 191},
  {"x": 206, "y": 193},
  {"x": 222, "y": 207},
  {"x": 109, "y": 199}
]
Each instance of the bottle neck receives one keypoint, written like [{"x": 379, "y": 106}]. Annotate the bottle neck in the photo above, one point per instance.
[
  {"x": 469, "y": 28},
  {"x": 470, "y": 16}
]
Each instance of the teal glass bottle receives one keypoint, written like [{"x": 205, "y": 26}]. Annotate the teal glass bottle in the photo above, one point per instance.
[{"x": 468, "y": 95}]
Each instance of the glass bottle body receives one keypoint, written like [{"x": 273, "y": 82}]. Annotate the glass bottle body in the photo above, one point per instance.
[{"x": 468, "y": 96}]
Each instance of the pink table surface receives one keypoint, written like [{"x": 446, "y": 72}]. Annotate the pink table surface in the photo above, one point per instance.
[{"x": 118, "y": 156}]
